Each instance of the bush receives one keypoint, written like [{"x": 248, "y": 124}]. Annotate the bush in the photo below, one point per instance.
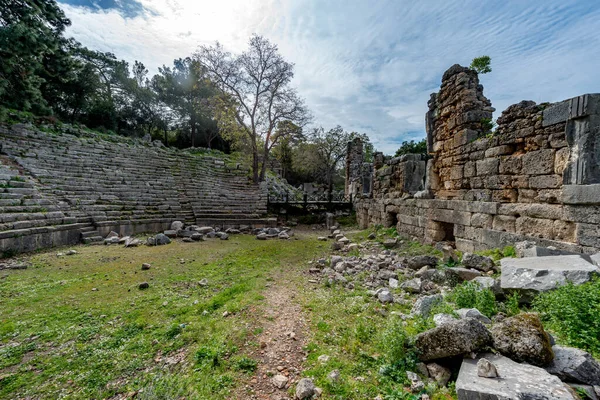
[
  {"x": 470, "y": 295},
  {"x": 573, "y": 313},
  {"x": 394, "y": 341},
  {"x": 412, "y": 147}
]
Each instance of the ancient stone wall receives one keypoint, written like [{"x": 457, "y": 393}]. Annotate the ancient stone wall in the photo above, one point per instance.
[
  {"x": 534, "y": 177},
  {"x": 58, "y": 189}
]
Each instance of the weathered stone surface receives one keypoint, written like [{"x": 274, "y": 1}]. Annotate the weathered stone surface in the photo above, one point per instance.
[
  {"x": 305, "y": 389},
  {"x": 533, "y": 275},
  {"x": 424, "y": 304},
  {"x": 177, "y": 225},
  {"x": 486, "y": 369},
  {"x": 516, "y": 382},
  {"x": 481, "y": 263},
  {"x": 473, "y": 313},
  {"x": 161, "y": 239},
  {"x": 418, "y": 262},
  {"x": 452, "y": 339},
  {"x": 465, "y": 274},
  {"x": 574, "y": 365},
  {"x": 441, "y": 375},
  {"x": 522, "y": 338}
]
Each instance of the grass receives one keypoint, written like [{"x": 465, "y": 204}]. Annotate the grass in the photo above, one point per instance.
[{"x": 78, "y": 327}]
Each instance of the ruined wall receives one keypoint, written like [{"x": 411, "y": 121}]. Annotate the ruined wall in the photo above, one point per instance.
[
  {"x": 535, "y": 177},
  {"x": 57, "y": 189}
]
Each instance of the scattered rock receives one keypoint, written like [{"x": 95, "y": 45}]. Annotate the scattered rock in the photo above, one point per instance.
[
  {"x": 71, "y": 252},
  {"x": 574, "y": 365},
  {"x": 439, "y": 374},
  {"x": 390, "y": 243},
  {"x": 518, "y": 381},
  {"x": 385, "y": 296},
  {"x": 416, "y": 384},
  {"x": 131, "y": 242},
  {"x": 334, "y": 376},
  {"x": 486, "y": 369},
  {"x": 261, "y": 236},
  {"x": 197, "y": 236},
  {"x": 473, "y": 313},
  {"x": 372, "y": 236},
  {"x": 305, "y": 389},
  {"x": 440, "y": 319},
  {"x": 523, "y": 339},
  {"x": 279, "y": 381},
  {"x": 112, "y": 234},
  {"x": 464, "y": 274},
  {"x": 322, "y": 239},
  {"x": 412, "y": 286},
  {"x": 224, "y": 236},
  {"x": 418, "y": 262},
  {"x": 424, "y": 304},
  {"x": 170, "y": 233},
  {"x": 452, "y": 339},
  {"x": 144, "y": 285},
  {"x": 480, "y": 263},
  {"x": 145, "y": 266},
  {"x": 177, "y": 225},
  {"x": 161, "y": 239},
  {"x": 203, "y": 282},
  {"x": 323, "y": 358},
  {"x": 393, "y": 283}
]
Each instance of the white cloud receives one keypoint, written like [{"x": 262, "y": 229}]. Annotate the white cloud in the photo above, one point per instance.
[{"x": 370, "y": 66}]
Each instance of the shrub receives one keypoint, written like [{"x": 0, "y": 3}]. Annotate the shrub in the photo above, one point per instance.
[
  {"x": 394, "y": 341},
  {"x": 470, "y": 295},
  {"x": 481, "y": 64},
  {"x": 573, "y": 313},
  {"x": 245, "y": 364}
]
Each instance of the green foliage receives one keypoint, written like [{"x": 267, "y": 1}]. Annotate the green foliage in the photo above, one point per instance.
[
  {"x": 573, "y": 313},
  {"x": 245, "y": 364},
  {"x": 481, "y": 64},
  {"x": 511, "y": 305},
  {"x": 470, "y": 295},
  {"x": 487, "y": 125},
  {"x": 394, "y": 341},
  {"x": 412, "y": 147},
  {"x": 498, "y": 254}
]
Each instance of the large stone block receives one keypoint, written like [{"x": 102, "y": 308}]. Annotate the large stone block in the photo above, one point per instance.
[
  {"x": 540, "y": 162},
  {"x": 515, "y": 382},
  {"x": 581, "y": 194},
  {"x": 533, "y": 275},
  {"x": 511, "y": 165},
  {"x": 504, "y": 223},
  {"x": 535, "y": 227},
  {"x": 545, "y": 181},
  {"x": 488, "y": 167}
]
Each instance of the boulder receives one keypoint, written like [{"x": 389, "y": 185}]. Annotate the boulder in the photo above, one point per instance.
[
  {"x": 161, "y": 239},
  {"x": 464, "y": 274},
  {"x": 530, "y": 249},
  {"x": 279, "y": 381},
  {"x": 261, "y": 236},
  {"x": 131, "y": 242},
  {"x": 224, "y": 236},
  {"x": 170, "y": 233},
  {"x": 418, "y": 262},
  {"x": 574, "y": 365},
  {"x": 532, "y": 275},
  {"x": 424, "y": 304},
  {"x": 523, "y": 339},
  {"x": 390, "y": 243},
  {"x": 197, "y": 236},
  {"x": 385, "y": 296},
  {"x": 205, "y": 229},
  {"x": 177, "y": 225},
  {"x": 516, "y": 381},
  {"x": 480, "y": 263},
  {"x": 453, "y": 338},
  {"x": 473, "y": 313},
  {"x": 412, "y": 286}
]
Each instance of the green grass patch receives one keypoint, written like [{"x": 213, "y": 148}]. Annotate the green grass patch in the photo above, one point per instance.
[{"x": 61, "y": 339}]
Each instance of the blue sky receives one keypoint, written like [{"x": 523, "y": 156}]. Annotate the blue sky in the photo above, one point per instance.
[{"x": 369, "y": 65}]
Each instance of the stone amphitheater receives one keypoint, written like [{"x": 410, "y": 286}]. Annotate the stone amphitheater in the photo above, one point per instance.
[{"x": 61, "y": 189}]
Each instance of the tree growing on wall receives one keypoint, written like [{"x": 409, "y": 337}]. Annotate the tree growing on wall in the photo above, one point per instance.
[
  {"x": 412, "y": 147},
  {"x": 259, "y": 95},
  {"x": 481, "y": 64}
]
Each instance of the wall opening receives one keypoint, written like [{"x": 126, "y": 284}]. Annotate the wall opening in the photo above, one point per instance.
[
  {"x": 448, "y": 230},
  {"x": 391, "y": 220}
]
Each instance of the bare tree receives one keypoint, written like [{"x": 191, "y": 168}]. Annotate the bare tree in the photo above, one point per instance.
[{"x": 258, "y": 82}]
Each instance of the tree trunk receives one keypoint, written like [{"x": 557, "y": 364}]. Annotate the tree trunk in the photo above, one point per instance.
[
  {"x": 193, "y": 123},
  {"x": 263, "y": 168}
]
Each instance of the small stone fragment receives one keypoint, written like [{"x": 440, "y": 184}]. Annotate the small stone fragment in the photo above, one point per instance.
[{"x": 486, "y": 369}]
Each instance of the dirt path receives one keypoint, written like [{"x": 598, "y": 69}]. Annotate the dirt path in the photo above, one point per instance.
[{"x": 281, "y": 343}]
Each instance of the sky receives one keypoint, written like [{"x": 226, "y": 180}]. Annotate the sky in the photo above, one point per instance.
[{"x": 368, "y": 65}]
